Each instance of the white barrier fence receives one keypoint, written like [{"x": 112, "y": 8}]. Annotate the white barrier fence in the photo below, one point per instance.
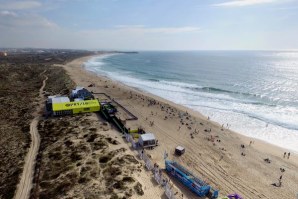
[
  {"x": 157, "y": 174},
  {"x": 169, "y": 192},
  {"x": 158, "y": 177},
  {"x": 129, "y": 138}
]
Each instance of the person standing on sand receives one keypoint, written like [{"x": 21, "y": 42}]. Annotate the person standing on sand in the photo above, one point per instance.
[
  {"x": 221, "y": 157},
  {"x": 285, "y": 153},
  {"x": 279, "y": 180},
  {"x": 289, "y": 155},
  {"x": 142, "y": 154}
]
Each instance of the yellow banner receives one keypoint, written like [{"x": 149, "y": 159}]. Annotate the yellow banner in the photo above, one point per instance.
[{"x": 75, "y": 105}]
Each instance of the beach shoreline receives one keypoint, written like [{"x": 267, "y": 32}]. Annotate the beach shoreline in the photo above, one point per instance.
[
  {"x": 228, "y": 149},
  {"x": 262, "y": 145}
]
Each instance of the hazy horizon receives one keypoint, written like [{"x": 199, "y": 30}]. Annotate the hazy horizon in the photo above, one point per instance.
[{"x": 150, "y": 24}]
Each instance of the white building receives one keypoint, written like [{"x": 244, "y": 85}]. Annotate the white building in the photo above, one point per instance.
[{"x": 147, "y": 140}]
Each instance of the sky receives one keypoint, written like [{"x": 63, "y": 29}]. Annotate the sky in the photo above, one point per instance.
[{"x": 150, "y": 24}]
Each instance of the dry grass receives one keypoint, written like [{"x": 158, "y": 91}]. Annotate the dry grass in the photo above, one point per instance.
[
  {"x": 78, "y": 158},
  {"x": 19, "y": 86},
  {"x": 20, "y": 81}
]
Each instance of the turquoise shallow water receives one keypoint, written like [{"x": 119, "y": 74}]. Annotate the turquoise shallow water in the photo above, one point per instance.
[{"x": 256, "y": 92}]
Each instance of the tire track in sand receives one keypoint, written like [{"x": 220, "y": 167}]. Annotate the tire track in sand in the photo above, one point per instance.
[{"x": 25, "y": 184}]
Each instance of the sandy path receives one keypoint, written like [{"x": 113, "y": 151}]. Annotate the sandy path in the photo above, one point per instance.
[{"x": 25, "y": 185}]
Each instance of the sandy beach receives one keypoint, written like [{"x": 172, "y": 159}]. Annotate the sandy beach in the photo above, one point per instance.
[{"x": 214, "y": 153}]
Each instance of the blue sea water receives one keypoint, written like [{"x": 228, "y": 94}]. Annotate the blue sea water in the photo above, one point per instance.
[{"x": 256, "y": 92}]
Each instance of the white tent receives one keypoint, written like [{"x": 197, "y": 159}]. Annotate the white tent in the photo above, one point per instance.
[
  {"x": 58, "y": 99},
  {"x": 75, "y": 91},
  {"x": 147, "y": 140}
]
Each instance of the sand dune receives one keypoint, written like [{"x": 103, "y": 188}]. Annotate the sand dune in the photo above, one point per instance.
[{"x": 82, "y": 157}]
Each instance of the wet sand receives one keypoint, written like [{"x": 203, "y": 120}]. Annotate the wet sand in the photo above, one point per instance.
[{"x": 212, "y": 153}]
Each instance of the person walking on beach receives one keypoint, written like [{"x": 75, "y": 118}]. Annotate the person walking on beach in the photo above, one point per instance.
[
  {"x": 279, "y": 181},
  {"x": 285, "y": 153},
  {"x": 289, "y": 155}
]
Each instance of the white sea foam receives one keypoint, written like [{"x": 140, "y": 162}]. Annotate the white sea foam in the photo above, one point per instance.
[
  {"x": 255, "y": 128},
  {"x": 244, "y": 115},
  {"x": 96, "y": 62}
]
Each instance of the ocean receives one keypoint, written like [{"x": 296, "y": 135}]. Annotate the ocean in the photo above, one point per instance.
[{"x": 255, "y": 92}]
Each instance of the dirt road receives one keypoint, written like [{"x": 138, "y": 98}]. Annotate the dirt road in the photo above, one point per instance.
[{"x": 25, "y": 185}]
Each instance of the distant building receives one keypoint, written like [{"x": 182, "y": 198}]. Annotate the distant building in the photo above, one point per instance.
[{"x": 3, "y": 54}]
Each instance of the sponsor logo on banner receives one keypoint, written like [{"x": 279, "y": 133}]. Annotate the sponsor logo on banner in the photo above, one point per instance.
[{"x": 79, "y": 104}]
